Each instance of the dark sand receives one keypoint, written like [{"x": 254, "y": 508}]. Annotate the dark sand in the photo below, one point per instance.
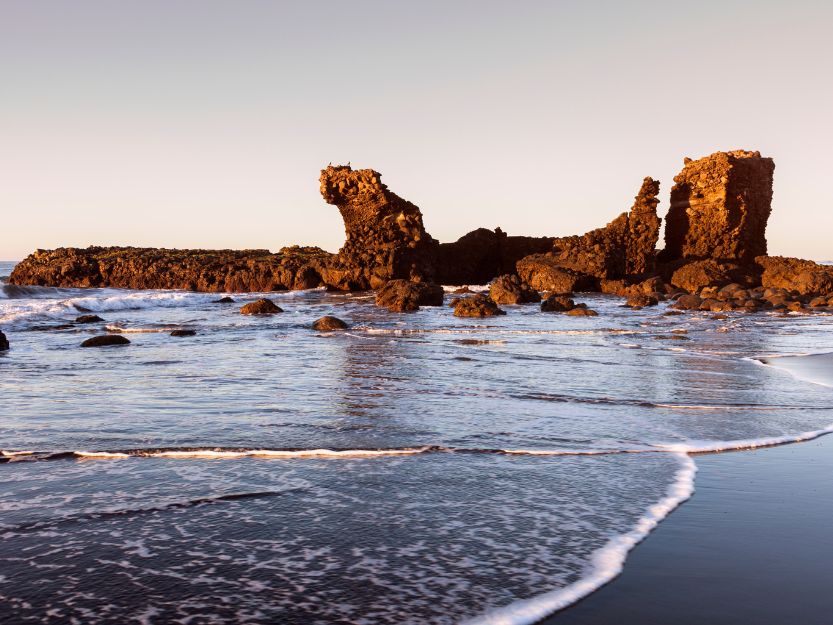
[{"x": 754, "y": 545}]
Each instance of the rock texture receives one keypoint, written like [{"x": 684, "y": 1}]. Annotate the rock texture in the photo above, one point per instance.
[
  {"x": 509, "y": 289},
  {"x": 477, "y": 306},
  {"x": 4, "y": 342},
  {"x": 557, "y": 303},
  {"x": 386, "y": 238},
  {"x": 794, "y": 274},
  {"x": 719, "y": 208},
  {"x": 625, "y": 248},
  {"x": 404, "y": 296},
  {"x": 214, "y": 271}
]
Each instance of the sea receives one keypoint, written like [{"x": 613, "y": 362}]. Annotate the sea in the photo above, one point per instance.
[{"x": 415, "y": 468}]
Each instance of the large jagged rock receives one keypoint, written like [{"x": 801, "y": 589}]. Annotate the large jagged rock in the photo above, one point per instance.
[
  {"x": 719, "y": 208},
  {"x": 625, "y": 248},
  {"x": 386, "y": 239},
  {"x": 215, "y": 271},
  {"x": 794, "y": 274},
  {"x": 482, "y": 254},
  {"x": 509, "y": 289}
]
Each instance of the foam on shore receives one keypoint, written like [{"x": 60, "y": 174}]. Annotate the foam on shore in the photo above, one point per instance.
[
  {"x": 815, "y": 368},
  {"x": 605, "y": 564}
]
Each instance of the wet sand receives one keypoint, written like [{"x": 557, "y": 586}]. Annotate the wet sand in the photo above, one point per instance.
[{"x": 753, "y": 545}]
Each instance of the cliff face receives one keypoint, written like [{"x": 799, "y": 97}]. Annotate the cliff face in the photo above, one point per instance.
[
  {"x": 386, "y": 238},
  {"x": 719, "y": 209}
]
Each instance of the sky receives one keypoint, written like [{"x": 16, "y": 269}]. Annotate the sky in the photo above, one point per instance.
[{"x": 205, "y": 123}]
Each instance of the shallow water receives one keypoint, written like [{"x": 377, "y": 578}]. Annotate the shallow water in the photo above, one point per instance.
[{"x": 417, "y": 468}]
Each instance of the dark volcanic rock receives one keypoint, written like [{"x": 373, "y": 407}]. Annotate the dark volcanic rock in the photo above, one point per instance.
[
  {"x": 105, "y": 340},
  {"x": 184, "y": 333},
  {"x": 224, "y": 300},
  {"x": 794, "y": 274},
  {"x": 509, "y": 289},
  {"x": 386, "y": 239},
  {"x": 328, "y": 324},
  {"x": 719, "y": 209},
  {"x": 88, "y": 319},
  {"x": 405, "y": 296},
  {"x": 4, "y": 342},
  {"x": 151, "y": 268},
  {"x": 477, "y": 306},
  {"x": 261, "y": 307},
  {"x": 480, "y": 255},
  {"x": 557, "y": 303}
]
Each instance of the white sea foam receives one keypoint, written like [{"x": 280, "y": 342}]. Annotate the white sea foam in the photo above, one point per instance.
[
  {"x": 103, "y": 455},
  {"x": 605, "y": 563},
  {"x": 277, "y": 453}
]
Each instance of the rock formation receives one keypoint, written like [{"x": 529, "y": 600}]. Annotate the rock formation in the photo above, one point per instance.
[
  {"x": 509, "y": 289},
  {"x": 386, "y": 239},
  {"x": 214, "y": 271},
  {"x": 719, "y": 208},
  {"x": 329, "y": 323},
  {"x": 405, "y": 296},
  {"x": 794, "y": 274},
  {"x": 105, "y": 340},
  {"x": 482, "y": 254},
  {"x": 477, "y": 306},
  {"x": 4, "y": 342},
  {"x": 625, "y": 248}
]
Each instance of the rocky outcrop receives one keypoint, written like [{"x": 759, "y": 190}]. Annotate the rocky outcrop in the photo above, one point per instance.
[
  {"x": 794, "y": 274},
  {"x": 482, "y": 254},
  {"x": 719, "y": 208},
  {"x": 509, "y": 289},
  {"x": 625, "y": 248},
  {"x": 386, "y": 238},
  {"x": 261, "y": 307},
  {"x": 214, "y": 271},
  {"x": 404, "y": 296},
  {"x": 557, "y": 303},
  {"x": 4, "y": 342},
  {"x": 695, "y": 275}
]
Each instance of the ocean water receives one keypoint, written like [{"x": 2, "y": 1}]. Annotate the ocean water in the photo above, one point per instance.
[{"x": 417, "y": 468}]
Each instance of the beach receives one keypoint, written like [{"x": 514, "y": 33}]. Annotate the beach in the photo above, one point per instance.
[{"x": 751, "y": 546}]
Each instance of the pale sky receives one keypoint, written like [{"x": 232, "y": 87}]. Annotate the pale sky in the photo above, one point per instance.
[{"x": 205, "y": 123}]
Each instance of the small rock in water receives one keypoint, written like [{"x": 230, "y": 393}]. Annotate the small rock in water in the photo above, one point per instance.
[
  {"x": 184, "y": 333},
  {"x": 509, "y": 289},
  {"x": 641, "y": 301},
  {"x": 477, "y": 306},
  {"x": 261, "y": 307},
  {"x": 405, "y": 296},
  {"x": 557, "y": 303},
  {"x": 88, "y": 319},
  {"x": 328, "y": 323},
  {"x": 582, "y": 312},
  {"x": 105, "y": 340},
  {"x": 4, "y": 342},
  {"x": 224, "y": 300}
]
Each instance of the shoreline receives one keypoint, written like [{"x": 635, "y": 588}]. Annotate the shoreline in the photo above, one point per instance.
[{"x": 753, "y": 534}]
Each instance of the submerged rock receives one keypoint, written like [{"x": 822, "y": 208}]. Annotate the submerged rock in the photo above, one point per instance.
[
  {"x": 405, "y": 296},
  {"x": 477, "y": 306},
  {"x": 261, "y": 307},
  {"x": 4, "y": 342},
  {"x": 509, "y": 289},
  {"x": 224, "y": 300},
  {"x": 106, "y": 340},
  {"x": 641, "y": 301},
  {"x": 582, "y": 312},
  {"x": 328, "y": 324},
  {"x": 184, "y": 333},
  {"x": 88, "y": 319}
]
